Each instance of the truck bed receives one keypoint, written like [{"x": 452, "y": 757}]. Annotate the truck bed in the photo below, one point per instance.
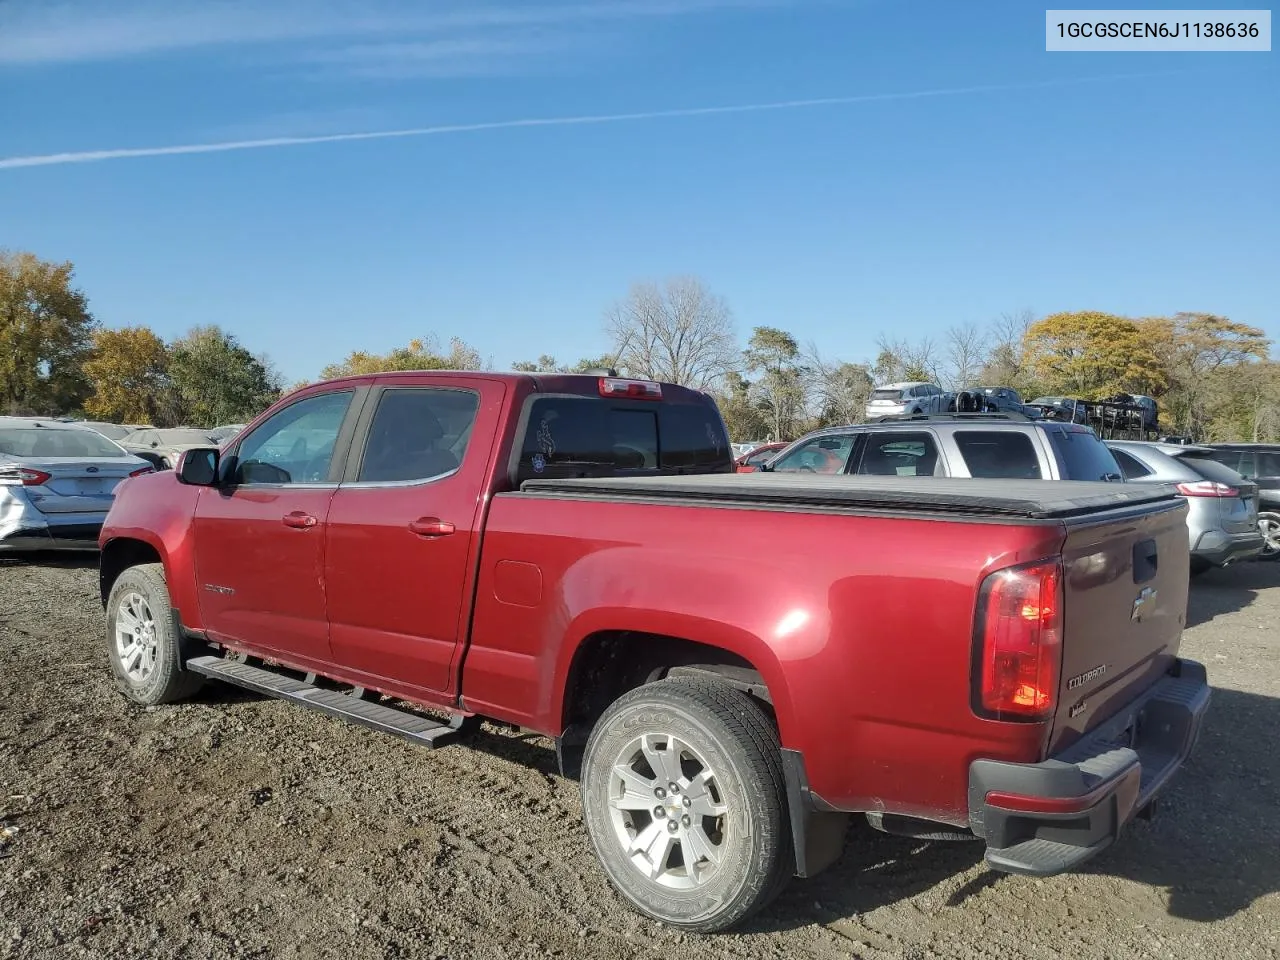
[{"x": 1025, "y": 499}]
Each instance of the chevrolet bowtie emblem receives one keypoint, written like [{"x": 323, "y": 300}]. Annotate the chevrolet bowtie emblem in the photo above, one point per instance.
[{"x": 1147, "y": 596}]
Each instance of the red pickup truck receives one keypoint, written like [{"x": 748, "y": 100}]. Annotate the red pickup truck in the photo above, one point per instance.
[{"x": 732, "y": 665}]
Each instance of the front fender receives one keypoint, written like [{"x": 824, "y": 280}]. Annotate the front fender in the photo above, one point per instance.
[{"x": 156, "y": 511}]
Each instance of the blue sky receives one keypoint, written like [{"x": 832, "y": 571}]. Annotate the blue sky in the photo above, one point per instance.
[{"x": 1134, "y": 183}]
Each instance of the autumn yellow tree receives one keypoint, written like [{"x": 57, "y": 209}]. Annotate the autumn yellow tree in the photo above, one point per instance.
[
  {"x": 129, "y": 375},
  {"x": 420, "y": 354},
  {"x": 1090, "y": 354},
  {"x": 46, "y": 331}
]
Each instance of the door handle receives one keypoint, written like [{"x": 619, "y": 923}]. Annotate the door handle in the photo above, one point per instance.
[
  {"x": 299, "y": 520},
  {"x": 431, "y": 527}
]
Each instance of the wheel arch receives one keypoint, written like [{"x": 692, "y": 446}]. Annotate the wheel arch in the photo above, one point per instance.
[{"x": 119, "y": 554}]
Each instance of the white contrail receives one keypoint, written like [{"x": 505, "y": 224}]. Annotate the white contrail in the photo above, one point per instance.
[{"x": 94, "y": 156}]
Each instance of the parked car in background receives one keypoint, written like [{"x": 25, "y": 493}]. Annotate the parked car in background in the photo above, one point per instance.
[
  {"x": 161, "y": 447},
  {"x": 1222, "y": 522},
  {"x": 754, "y": 459},
  {"x": 112, "y": 431},
  {"x": 976, "y": 659},
  {"x": 998, "y": 399},
  {"x": 1058, "y": 408},
  {"x": 905, "y": 399},
  {"x": 226, "y": 432},
  {"x": 1259, "y": 462},
  {"x": 57, "y": 482},
  {"x": 954, "y": 445}
]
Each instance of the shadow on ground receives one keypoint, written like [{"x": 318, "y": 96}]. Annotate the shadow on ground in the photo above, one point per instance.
[
  {"x": 70, "y": 560},
  {"x": 1225, "y": 590},
  {"x": 1212, "y": 845}
]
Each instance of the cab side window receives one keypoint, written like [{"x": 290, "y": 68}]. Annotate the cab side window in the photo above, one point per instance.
[{"x": 892, "y": 454}]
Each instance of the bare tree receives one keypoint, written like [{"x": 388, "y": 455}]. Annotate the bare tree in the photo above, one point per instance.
[
  {"x": 840, "y": 389},
  {"x": 902, "y": 359},
  {"x": 679, "y": 332},
  {"x": 1005, "y": 365},
  {"x": 967, "y": 354}
]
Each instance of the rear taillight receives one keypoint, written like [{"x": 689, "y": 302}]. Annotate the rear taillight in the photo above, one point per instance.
[
  {"x": 634, "y": 389},
  {"x": 31, "y": 478},
  {"x": 1018, "y": 643},
  {"x": 144, "y": 470},
  {"x": 1207, "y": 488}
]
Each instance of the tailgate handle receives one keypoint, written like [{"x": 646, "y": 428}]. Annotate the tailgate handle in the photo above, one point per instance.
[{"x": 1145, "y": 561}]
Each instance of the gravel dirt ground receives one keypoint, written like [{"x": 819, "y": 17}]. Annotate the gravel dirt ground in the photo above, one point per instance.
[{"x": 240, "y": 827}]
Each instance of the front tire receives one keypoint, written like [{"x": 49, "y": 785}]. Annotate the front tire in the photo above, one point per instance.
[
  {"x": 684, "y": 801},
  {"x": 143, "y": 644}
]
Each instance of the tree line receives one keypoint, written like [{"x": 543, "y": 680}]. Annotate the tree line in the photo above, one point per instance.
[
  {"x": 57, "y": 359},
  {"x": 1213, "y": 377}
]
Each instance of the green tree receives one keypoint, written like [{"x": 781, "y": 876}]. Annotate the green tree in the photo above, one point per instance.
[
  {"x": 129, "y": 375},
  {"x": 779, "y": 390},
  {"x": 1090, "y": 354},
  {"x": 420, "y": 354},
  {"x": 46, "y": 334},
  {"x": 217, "y": 380},
  {"x": 742, "y": 415}
]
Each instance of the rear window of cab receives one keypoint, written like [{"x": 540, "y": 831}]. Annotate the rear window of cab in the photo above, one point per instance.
[{"x": 570, "y": 436}]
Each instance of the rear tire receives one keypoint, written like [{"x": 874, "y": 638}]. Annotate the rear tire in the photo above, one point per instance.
[
  {"x": 684, "y": 801},
  {"x": 143, "y": 643}
]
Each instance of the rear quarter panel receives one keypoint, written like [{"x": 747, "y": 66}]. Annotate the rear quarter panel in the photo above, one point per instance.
[{"x": 861, "y": 626}]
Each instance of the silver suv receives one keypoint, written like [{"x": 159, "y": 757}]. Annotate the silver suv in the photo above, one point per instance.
[{"x": 989, "y": 445}]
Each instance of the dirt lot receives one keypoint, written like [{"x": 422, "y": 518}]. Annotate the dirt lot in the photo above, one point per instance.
[{"x": 238, "y": 827}]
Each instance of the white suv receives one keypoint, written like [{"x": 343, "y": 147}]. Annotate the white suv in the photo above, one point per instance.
[{"x": 897, "y": 399}]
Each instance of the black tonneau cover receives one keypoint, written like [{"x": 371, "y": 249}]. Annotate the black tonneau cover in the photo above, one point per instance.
[{"x": 1032, "y": 499}]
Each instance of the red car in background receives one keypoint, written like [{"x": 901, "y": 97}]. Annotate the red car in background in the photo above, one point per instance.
[{"x": 751, "y": 461}]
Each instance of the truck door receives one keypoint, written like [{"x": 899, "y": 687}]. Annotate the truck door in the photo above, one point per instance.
[
  {"x": 402, "y": 528},
  {"x": 260, "y": 536}
]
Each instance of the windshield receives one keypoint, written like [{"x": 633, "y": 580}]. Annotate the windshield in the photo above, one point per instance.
[{"x": 41, "y": 442}]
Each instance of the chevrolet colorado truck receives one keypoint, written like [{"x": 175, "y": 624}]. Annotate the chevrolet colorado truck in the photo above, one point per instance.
[{"x": 733, "y": 666}]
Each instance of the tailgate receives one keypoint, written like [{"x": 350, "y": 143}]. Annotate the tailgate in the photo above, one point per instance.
[
  {"x": 1239, "y": 514},
  {"x": 1124, "y": 603}
]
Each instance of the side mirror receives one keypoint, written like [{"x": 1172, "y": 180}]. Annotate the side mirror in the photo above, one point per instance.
[{"x": 198, "y": 467}]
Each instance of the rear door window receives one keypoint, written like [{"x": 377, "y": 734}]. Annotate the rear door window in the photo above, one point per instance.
[
  {"x": 1082, "y": 456},
  {"x": 1269, "y": 465},
  {"x": 1130, "y": 466},
  {"x": 893, "y": 454},
  {"x": 583, "y": 436},
  {"x": 1239, "y": 461},
  {"x": 418, "y": 433},
  {"x": 1005, "y": 454}
]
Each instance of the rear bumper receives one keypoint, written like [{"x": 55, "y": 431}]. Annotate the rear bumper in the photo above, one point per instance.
[
  {"x": 1221, "y": 548},
  {"x": 1047, "y": 818},
  {"x": 51, "y": 536}
]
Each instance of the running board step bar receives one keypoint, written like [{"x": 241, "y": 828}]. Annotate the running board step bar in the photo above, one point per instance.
[{"x": 411, "y": 726}]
